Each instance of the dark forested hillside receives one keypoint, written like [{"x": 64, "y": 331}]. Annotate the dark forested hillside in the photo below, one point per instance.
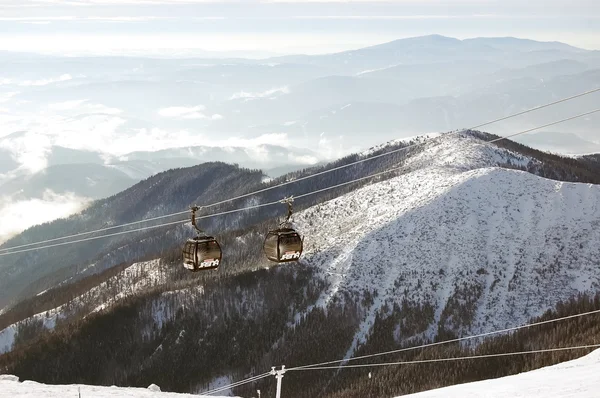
[
  {"x": 237, "y": 327},
  {"x": 583, "y": 169},
  {"x": 593, "y": 159}
]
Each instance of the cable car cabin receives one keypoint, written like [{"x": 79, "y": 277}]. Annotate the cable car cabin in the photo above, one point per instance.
[
  {"x": 201, "y": 253},
  {"x": 283, "y": 245}
]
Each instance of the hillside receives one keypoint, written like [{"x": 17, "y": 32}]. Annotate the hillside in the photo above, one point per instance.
[
  {"x": 133, "y": 280},
  {"x": 461, "y": 240},
  {"x": 164, "y": 193}
]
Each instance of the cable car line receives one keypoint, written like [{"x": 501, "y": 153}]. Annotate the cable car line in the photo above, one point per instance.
[
  {"x": 93, "y": 238},
  {"x": 264, "y": 204},
  {"x": 92, "y": 232},
  {"x": 546, "y": 125},
  {"x": 305, "y": 177},
  {"x": 450, "y": 359},
  {"x": 321, "y": 365},
  {"x": 476, "y": 336},
  {"x": 413, "y": 362}
]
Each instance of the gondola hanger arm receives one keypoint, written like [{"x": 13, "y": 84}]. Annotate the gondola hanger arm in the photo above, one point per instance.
[
  {"x": 194, "y": 209},
  {"x": 289, "y": 201}
]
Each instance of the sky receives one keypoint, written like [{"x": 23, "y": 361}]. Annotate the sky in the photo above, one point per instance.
[
  {"x": 270, "y": 27},
  {"x": 47, "y": 104}
]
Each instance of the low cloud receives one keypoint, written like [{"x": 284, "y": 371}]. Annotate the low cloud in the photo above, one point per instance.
[
  {"x": 303, "y": 159},
  {"x": 29, "y": 150},
  {"x": 39, "y": 82},
  {"x": 280, "y": 139},
  {"x": 5, "y": 97},
  {"x": 333, "y": 147},
  {"x": 76, "y": 124},
  {"x": 17, "y": 216},
  {"x": 184, "y": 112},
  {"x": 83, "y": 107},
  {"x": 269, "y": 93},
  {"x": 66, "y": 105},
  {"x": 156, "y": 139},
  {"x": 395, "y": 17},
  {"x": 44, "y": 82}
]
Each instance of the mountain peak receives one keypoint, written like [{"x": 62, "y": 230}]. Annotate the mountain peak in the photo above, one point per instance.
[{"x": 428, "y": 40}]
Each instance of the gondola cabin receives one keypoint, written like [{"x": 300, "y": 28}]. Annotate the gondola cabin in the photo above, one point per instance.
[
  {"x": 283, "y": 245},
  {"x": 201, "y": 254}
]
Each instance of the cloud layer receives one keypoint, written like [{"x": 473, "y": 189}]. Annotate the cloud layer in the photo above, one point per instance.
[
  {"x": 17, "y": 215},
  {"x": 182, "y": 112}
]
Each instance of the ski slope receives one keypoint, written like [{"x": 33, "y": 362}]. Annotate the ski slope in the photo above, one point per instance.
[
  {"x": 10, "y": 388},
  {"x": 577, "y": 378},
  {"x": 459, "y": 233}
]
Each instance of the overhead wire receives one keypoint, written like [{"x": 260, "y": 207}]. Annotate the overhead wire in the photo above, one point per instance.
[
  {"x": 545, "y": 125},
  {"x": 449, "y": 359},
  {"x": 456, "y": 340},
  {"x": 91, "y": 238},
  {"x": 273, "y": 202},
  {"x": 308, "y": 176},
  {"x": 94, "y": 231},
  {"x": 422, "y": 361}
]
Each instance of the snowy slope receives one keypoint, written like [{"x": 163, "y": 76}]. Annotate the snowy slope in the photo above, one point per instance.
[
  {"x": 11, "y": 388},
  {"x": 577, "y": 378},
  {"x": 505, "y": 244}
]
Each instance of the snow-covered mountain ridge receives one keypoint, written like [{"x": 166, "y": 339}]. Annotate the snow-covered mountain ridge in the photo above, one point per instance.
[{"x": 486, "y": 247}]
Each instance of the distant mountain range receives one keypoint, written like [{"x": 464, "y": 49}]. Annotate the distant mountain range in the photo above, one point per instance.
[{"x": 105, "y": 123}]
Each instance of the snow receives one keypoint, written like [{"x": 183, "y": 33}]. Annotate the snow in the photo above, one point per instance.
[
  {"x": 154, "y": 387},
  {"x": 458, "y": 223},
  {"x": 577, "y": 378},
  {"x": 13, "y": 389},
  {"x": 405, "y": 140}
]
